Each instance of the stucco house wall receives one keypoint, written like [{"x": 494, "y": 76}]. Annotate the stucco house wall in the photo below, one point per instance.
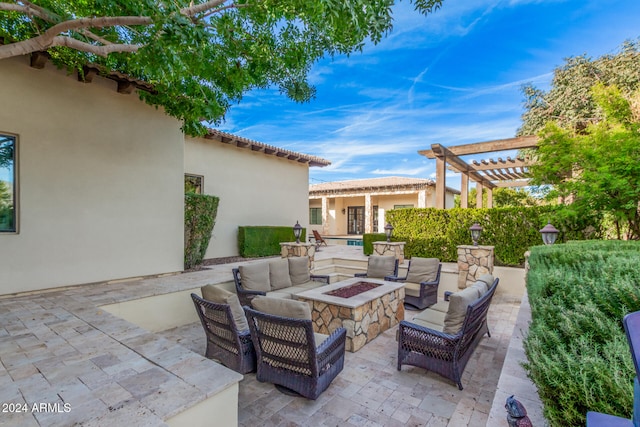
[
  {"x": 254, "y": 189},
  {"x": 100, "y": 182}
]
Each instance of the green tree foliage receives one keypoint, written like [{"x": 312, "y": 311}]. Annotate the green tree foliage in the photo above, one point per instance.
[
  {"x": 596, "y": 169},
  {"x": 570, "y": 102},
  {"x": 200, "y": 213},
  {"x": 200, "y": 56}
]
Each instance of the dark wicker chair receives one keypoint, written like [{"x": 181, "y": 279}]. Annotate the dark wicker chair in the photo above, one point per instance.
[
  {"x": 428, "y": 290},
  {"x": 233, "y": 348},
  {"x": 245, "y": 295},
  {"x": 442, "y": 353},
  {"x": 288, "y": 357},
  {"x": 380, "y": 269}
]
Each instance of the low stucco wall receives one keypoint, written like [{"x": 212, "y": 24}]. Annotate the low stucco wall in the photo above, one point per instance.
[
  {"x": 254, "y": 189},
  {"x": 100, "y": 178}
]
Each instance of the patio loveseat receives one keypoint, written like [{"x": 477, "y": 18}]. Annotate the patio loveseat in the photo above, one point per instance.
[
  {"x": 442, "y": 338},
  {"x": 281, "y": 278}
]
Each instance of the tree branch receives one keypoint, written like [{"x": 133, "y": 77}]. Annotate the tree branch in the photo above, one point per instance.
[
  {"x": 90, "y": 48},
  {"x": 30, "y": 10}
]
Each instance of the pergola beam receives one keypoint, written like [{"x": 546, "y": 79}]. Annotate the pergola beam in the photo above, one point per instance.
[{"x": 487, "y": 147}]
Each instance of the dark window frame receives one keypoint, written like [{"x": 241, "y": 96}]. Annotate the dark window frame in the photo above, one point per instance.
[
  {"x": 317, "y": 216},
  {"x": 199, "y": 186},
  {"x": 12, "y": 151}
]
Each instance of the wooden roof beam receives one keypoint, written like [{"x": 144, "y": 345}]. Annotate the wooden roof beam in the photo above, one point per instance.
[
  {"x": 455, "y": 161},
  {"x": 487, "y": 147}
]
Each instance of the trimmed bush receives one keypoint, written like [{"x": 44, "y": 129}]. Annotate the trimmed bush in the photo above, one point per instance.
[
  {"x": 369, "y": 238},
  {"x": 577, "y": 351},
  {"x": 430, "y": 232},
  {"x": 200, "y": 213},
  {"x": 261, "y": 241}
]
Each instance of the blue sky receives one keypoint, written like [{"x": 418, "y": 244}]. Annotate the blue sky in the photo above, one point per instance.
[{"x": 453, "y": 77}]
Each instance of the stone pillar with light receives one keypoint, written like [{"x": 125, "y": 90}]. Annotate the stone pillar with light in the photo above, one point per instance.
[
  {"x": 297, "y": 248},
  {"x": 474, "y": 260},
  {"x": 389, "y": 248}
]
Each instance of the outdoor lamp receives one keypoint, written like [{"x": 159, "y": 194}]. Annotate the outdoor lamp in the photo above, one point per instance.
[
  {"x": 297, "y": 231},
  {"x": 549, "y": 234},
  {"x": 475, "y": 233},
  {"x": 388, "y": 230}
]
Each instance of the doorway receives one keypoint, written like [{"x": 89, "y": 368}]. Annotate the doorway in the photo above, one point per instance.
[{"x": 355, "y": 220}]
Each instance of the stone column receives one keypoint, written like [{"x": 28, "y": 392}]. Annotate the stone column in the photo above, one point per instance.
[
  {"x": 368, "y": 214},
  {"x": 325, "y": 216},
  {"x": 392, "y": 248},
  {"x": 422, "y": 198},
  {"x": 293, "y": 249},
  {"x": 473, "y": 262}
]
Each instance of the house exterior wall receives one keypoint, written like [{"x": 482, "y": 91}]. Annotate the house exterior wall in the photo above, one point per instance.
[
  {"x": 254, "y": 189},
  {"x": 100, "y": 182}
]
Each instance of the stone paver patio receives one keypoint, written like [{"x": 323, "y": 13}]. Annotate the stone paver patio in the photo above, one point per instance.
[{"x": 59, "y": 347}]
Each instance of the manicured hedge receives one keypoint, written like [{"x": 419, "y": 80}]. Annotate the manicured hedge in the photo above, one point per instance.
[
  {"x": 576, "y": 348},
  {"x": 430, "y": 232},
  {"x": 200, "y": 213},
  {"x": 259, "y": 241},
  {"x": 369, "y": 238}
]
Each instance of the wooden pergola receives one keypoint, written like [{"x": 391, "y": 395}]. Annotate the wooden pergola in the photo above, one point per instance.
[{"x": 488, "y": 174}]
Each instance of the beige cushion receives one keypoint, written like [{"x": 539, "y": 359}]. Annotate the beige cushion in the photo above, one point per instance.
[
  {"x": 255, "y": 277},
  {"x": 281, "y": 293},
  {"x": 458, "y": 303},
  {"x": 282, "y": 307},
  {"x": 425, "y": 324},
  {"x": 381, "y": 266},
  {"x": 319, "y": 338},
  {"x": 487, "y": 278},
  {"x": 423, "y": 269},
  {"x": 218, "y": 295},
  {"x": 299, "y": 270},
  {"x": 279, "y": 274},
  {"x": 442, "y": 306},
  {"x": 431, "y": 316},
  {"x": 412, "y": 289},
  {"x": 480, "y": 286}
]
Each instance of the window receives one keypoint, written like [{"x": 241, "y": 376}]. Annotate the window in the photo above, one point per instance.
[
  {"x": 402, "y": 206},
  {"x": 8, "y": 185},
  {"x": 315, "y": 216},
  {"x": 193, "y": 183}
]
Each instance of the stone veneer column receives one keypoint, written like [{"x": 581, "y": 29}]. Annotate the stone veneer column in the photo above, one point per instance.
[
  {"x": 392, "y": 248},
  {"x": 293, "y": 249},
  {"x": 473, "y": 262}
]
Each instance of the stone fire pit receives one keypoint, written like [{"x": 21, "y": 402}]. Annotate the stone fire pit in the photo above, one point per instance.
[{"x": 364, "y": 315}]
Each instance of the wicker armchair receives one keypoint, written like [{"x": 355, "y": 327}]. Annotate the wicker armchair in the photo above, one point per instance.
[
  {"x": 380, "y": 267},
  {"x": 443, "y": 353},
  {"x": 288, "y": 356},
  {"x": 233, "y": 348},
  {"x": 421, "y": 290}
]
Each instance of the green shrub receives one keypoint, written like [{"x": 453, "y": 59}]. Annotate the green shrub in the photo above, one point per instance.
[
  {"x": 369, "y": 238},
  {"x": 260, "y": 241},
  {"x": 200, "y": 213},
  {"x": 577, "y": 351},
  {"x": 430, "y": 232}
]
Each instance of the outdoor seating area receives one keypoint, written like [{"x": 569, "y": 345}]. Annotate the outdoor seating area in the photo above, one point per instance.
[{"x": 109, "y": 368}]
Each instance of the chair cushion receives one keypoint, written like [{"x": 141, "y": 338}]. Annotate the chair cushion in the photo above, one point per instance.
[
  {"x": 487, "y": 278},
  {"x": 442, "y": 306},
  {"x": 431, "y": 316},
  {"x": 423, "y": 269},
  {"x": 299, "y": 270},
  {"x": 480, "y": 286},
  {"x": 412, "y": 289},
  {"x": 282, "y": 307},
  {"x": 279, "y": 274},
  {"x": 458, "y": 303},
  {"x": 281, "y": 293},
  {"x": 319, "y": 338},
  {"x": 255, "y": 277},
  {"x": 219, "y": 295},
  {"x": 381, "y": 266},
  {"x": 425, "y": 324}
]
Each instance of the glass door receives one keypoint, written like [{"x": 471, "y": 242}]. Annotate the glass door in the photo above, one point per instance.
[{"x": 355, "y": 220}]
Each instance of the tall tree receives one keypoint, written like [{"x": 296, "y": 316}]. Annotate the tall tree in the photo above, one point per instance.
[
  {"x": 596, "y": 168},
  {"x": 200, "y": 56},
  {"x": 569, "y": 102}
]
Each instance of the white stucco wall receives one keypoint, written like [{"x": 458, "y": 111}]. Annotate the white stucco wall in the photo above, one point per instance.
[
  {"x": 254, "y": 189},
  {"x": 100, "y": 182}
]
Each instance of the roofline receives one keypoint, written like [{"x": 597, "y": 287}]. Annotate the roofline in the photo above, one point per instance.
[
  {"x": 249, "y": 144},
  {"x": 351, "y": 188}
]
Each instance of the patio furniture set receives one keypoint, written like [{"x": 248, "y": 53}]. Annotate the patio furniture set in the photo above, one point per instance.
[{"x": 293, "y": 328}]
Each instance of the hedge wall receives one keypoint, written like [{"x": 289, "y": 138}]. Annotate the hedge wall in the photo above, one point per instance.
[
  {"x": 200, "y": 213},
  {"x": 430, "y": 232},
  {"x": 576, "y": 347},
  {"x": 369, "y": 238},
  {"x": 260, "y": 241}
]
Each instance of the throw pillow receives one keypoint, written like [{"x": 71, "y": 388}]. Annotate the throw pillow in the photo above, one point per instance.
[
  {"x": 380, "y": 266},
  {"x": 458, "y": 303},
  {"x": 255, "y": 277},
  {"x": 282, "y": 307},
  {"x": 299, "y": 270},
  {"x": 219, "y": 295},
  {"x": 279, "y": 274},
  {"x": 423, "y": 270}
]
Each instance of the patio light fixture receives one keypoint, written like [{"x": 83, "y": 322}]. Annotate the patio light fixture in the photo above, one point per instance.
[
  {"x": 476, "y": 230},
  {"x": 297, "y": 231},
  {"x": 549, "y": 234},
  {"x": 388, "y": 230}
]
